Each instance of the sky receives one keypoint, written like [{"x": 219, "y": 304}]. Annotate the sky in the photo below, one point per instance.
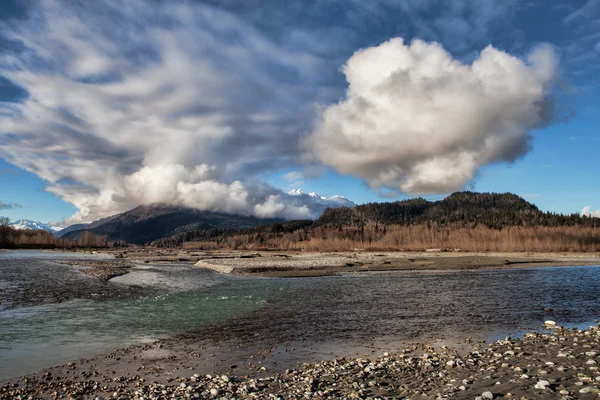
[{"x": 227, "y": 105}]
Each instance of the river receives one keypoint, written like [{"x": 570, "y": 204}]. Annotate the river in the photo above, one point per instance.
[{"x": 39, "y": 329}]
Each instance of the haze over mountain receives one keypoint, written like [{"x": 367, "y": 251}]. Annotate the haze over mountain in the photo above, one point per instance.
[{"x": 144, "y": 224}]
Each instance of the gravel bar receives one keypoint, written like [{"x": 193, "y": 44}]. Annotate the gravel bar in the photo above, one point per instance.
[{"x": 555, "y": 363}]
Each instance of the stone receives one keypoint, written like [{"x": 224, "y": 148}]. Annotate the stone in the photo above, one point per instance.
[
  {"x": 550, "y": 323},
  {"x": 487, "y": 395},
  {"x": 587, "y": 389},
  {"x": 542, "y": 385}
]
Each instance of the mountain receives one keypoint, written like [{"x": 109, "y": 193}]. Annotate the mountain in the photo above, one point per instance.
[
  {"x": 467, "y": 220},
  {"x": 316, "y": 203},
  {"x": 146, "y": 223},
  {"x": 21, "y": 224},
  {"x": 78, "y": 227},
  {"x": 71, "y": 228},
  {"x": 493, "y": 210}
]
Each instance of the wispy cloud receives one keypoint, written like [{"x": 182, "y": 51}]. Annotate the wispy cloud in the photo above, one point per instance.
[
  {"x": 590, "y": 9},
  {"x": 9, "y": 206},
  {"x": 187, "y": 87},
  {"x": 187, "y": 102}
]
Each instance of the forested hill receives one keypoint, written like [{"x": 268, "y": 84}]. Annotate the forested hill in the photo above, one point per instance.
[
  {"x": 388, "y": 225},
  {"x": 464, "y": 209}
]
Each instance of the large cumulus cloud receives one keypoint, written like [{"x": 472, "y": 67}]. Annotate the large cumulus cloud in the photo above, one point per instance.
[{"x": 416, "y": 120}]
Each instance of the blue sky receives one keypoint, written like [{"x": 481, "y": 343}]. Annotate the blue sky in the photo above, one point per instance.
[{"x": 227, "y": 105}]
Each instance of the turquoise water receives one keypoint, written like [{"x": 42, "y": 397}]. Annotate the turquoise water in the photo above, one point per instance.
[
  {"x": 157, "y": 301},
  {"x": 182, "y": 298}
]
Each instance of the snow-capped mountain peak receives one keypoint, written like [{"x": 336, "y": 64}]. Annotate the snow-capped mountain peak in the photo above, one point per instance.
[
  {"x": 29, "y": 224},
  {"x": 317, "y": 203},
  {"x": 299, "y": 192}
]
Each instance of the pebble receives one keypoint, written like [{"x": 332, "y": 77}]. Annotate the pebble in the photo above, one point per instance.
[
  {"x": 435, "y": 373},
  {"x": 542, "y": 385}
]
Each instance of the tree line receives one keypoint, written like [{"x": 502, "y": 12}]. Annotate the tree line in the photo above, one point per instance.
[
  {"x": 11, "y": 238},
  {"x": 463, "y": 220}
]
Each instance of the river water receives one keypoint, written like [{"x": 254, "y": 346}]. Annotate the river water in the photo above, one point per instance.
[{"x": 40, "y": 329}]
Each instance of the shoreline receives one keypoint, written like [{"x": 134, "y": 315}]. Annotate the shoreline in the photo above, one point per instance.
[
  {"x": 256, "y": 356},
  {"x": 542, "y": 364},
  {"x": 294, "y": 264}
]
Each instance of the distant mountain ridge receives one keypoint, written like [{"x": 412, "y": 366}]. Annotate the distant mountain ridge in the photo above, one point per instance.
[
  {"x": 418, "y": 220},
  {"x": 317, "y": 203},
  {"x": 146, "y": 223},
  {"x": 21, "y": 224},
  {"x": 175, "y": 224}
]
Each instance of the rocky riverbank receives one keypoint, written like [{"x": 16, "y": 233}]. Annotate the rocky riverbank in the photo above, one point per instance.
[
  {"x": 304, "y": 264},
  {"x": 290, "y": 264},
  {"x": 558, "y": 363},
  {"x": 102, "y": 270}
]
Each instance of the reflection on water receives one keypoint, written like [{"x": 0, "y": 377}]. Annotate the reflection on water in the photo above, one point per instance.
[{"x": 181, "y": 298}]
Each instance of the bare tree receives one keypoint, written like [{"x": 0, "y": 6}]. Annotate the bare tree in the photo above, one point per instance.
[{"x": 4, "y": 231}]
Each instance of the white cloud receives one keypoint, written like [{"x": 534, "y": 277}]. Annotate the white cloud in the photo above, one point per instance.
[
  {"x": 417, "y": 120},
  {"x": 185, "y": 103},
  {"x": 150, "y": 103},
  {"x": 275, "y": 206},
  {"x": 587, "y": 210}
]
